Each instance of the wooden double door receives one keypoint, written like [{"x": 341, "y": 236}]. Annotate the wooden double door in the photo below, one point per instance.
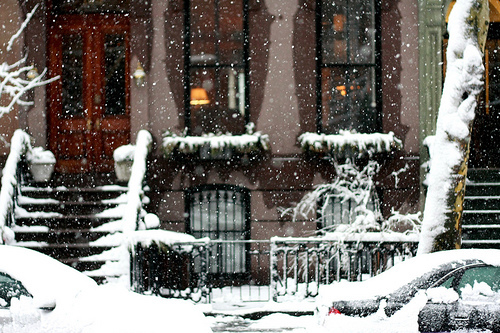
[{"x": 89, "y": 114}]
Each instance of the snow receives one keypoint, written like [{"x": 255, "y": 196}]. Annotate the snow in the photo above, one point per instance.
[
  {"x": 19, "y": 144},
  {"x": 124, "y": 153},
  {"x": 347, "y": 141},
  {"x": 251, "y": 142},
  {"x": 135, "y": 190},
  {"x": 463, "y": 80},
  {"x": 83, "y": 307},
  {"x": 38, "y": 155}
]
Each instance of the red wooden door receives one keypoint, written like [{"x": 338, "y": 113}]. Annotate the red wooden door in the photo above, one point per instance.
[{"x": 89, "y": 112}]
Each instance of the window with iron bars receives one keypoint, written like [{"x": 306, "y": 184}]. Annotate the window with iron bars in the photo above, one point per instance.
[
  {"x": 221, "y": 212},
  {"x": 337, "y": 209},
  {"x": 348, "y": 65}
]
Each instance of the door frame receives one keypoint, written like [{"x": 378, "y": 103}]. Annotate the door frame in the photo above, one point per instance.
[{"x": 94, "y": 125}]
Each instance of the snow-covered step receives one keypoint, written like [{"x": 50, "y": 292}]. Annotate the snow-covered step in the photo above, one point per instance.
[
  {"x": 74, "y": 194},
  {"x": 68, "y": 218},
  {"x": 481, "y": 216}
]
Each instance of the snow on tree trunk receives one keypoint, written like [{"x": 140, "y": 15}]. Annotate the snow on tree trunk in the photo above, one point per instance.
[{"x": 449, "y": 152}]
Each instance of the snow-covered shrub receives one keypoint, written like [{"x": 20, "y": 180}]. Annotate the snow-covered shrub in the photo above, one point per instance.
[
  {"x": 350, "y": 184},
  {"x": 356, "y": 186}
]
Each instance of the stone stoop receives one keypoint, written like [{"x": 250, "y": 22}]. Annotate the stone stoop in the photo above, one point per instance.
[
  {"x": 62, "y": 219},
  {"x": 481, "y": 218}
]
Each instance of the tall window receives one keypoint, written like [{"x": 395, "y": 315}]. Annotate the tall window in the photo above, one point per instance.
[
  {"x": 221, "y": 212},
  {"x": 216, "y": 66},
  {"x": 348, "y": 65}
]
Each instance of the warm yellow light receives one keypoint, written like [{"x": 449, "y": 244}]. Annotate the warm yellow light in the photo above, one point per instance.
[
  {"x": 199, "y": 96},
  {"x": 341, "y": 89}
]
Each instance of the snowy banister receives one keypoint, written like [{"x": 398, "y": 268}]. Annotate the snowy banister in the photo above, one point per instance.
[
  {"x": 20, "y": 146},
  {"x": 350, "y": 143},
  {"x": 135, "y": 190},
  {"x": 249, "y": 143}
]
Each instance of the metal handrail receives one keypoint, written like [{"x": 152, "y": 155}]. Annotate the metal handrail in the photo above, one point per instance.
[{"x": 20, "y": 146}]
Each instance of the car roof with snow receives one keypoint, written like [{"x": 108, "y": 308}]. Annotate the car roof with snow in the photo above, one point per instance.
[{"x": 405, "y": 272}]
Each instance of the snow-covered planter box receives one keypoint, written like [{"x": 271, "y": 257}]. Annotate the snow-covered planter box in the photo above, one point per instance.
[
  {"x": 124, "y": 158},
  {"x": 350, "y": 144},
  {"x": 216, "y": 146},
  {"x": 41, "y": 163}
]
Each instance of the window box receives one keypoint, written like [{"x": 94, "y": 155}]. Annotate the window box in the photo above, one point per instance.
[
  {"x": 215, "y": 146},
  {"x": 349, "y": 144}
]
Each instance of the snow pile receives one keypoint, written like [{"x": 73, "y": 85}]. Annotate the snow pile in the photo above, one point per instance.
[
  {"x": 448, "y": 153},
  {"x": 38, "y": 155},
  {"x": 124, "y": 153},
  {"x": 348, "y": 143},
  {"x": 83, "y": 307},
  {"x": 249, "y": 143}
]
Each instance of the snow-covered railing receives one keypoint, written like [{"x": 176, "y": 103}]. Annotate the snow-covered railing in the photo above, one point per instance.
[
  {"x": 133, "y": 209},
  {"x": 204, "y": 270},
  {"x": 19, "y": 148},
  {"x": 350, "y": 144},
  {"x": 216, "y": 145},
  {"x": 299, "y": 266}
]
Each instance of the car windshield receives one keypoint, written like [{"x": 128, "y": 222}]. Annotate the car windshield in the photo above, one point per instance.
[
  {"x": 9, "y": 289},
  {"x": 430, "y": 279}
]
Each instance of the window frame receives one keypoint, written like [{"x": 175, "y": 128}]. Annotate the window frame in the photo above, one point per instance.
[
  {"x": 348, "y": 65},
  {"x": 217, "y": 66}
]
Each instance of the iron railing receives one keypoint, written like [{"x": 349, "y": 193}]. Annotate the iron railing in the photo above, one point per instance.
[
  {"x": 299, "y": 266},
  {"x": 279, "y": 267},
  {"x": 188, "y": 270}
]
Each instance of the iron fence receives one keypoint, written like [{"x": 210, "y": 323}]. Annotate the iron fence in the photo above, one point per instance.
[{"x": 278, "y": 268}]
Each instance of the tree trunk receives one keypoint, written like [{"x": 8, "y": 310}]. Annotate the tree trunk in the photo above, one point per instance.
[{"x": 449, "y": 150}]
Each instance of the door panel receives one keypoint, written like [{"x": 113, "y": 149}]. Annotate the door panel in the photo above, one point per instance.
[
  {"x": 485, "y": 140},
  {"x": 89, "y": 106}
]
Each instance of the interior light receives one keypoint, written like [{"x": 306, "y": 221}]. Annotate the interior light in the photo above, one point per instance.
[{"x": 199, "y": 96}]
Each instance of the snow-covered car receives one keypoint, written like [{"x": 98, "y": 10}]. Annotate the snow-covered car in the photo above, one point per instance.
[
  {"x": 40, "y": 294},
  {"x": 457, "y": 289}
]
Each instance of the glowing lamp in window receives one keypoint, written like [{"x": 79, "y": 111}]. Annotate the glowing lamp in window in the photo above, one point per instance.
[{"x": 199, "y": 96}]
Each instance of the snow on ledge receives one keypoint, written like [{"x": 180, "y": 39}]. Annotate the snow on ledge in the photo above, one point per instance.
[
  {"x": 348, "y": 142},
  {"x": 251, "y": 142},
  {"x": 374, "y": 237}
]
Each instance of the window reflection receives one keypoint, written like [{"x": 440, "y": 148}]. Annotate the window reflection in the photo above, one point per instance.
[
  {"x": 72, "y": 75},
  {"x": 114, "y": 50}
]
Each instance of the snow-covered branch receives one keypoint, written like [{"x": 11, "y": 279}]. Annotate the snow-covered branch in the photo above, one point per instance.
[{"x": 16, "y": 79}]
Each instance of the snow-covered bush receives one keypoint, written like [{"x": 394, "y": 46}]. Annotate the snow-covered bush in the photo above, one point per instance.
[
  {"x": 350, "y": 184},
  {"x": 358, "y": 186}
]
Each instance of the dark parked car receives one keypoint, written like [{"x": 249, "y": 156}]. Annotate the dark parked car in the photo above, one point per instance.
[{"x": 461, "y": 286}]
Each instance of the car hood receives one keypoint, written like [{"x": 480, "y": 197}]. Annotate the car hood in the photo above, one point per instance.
[{"x": 48, "y": 280}]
